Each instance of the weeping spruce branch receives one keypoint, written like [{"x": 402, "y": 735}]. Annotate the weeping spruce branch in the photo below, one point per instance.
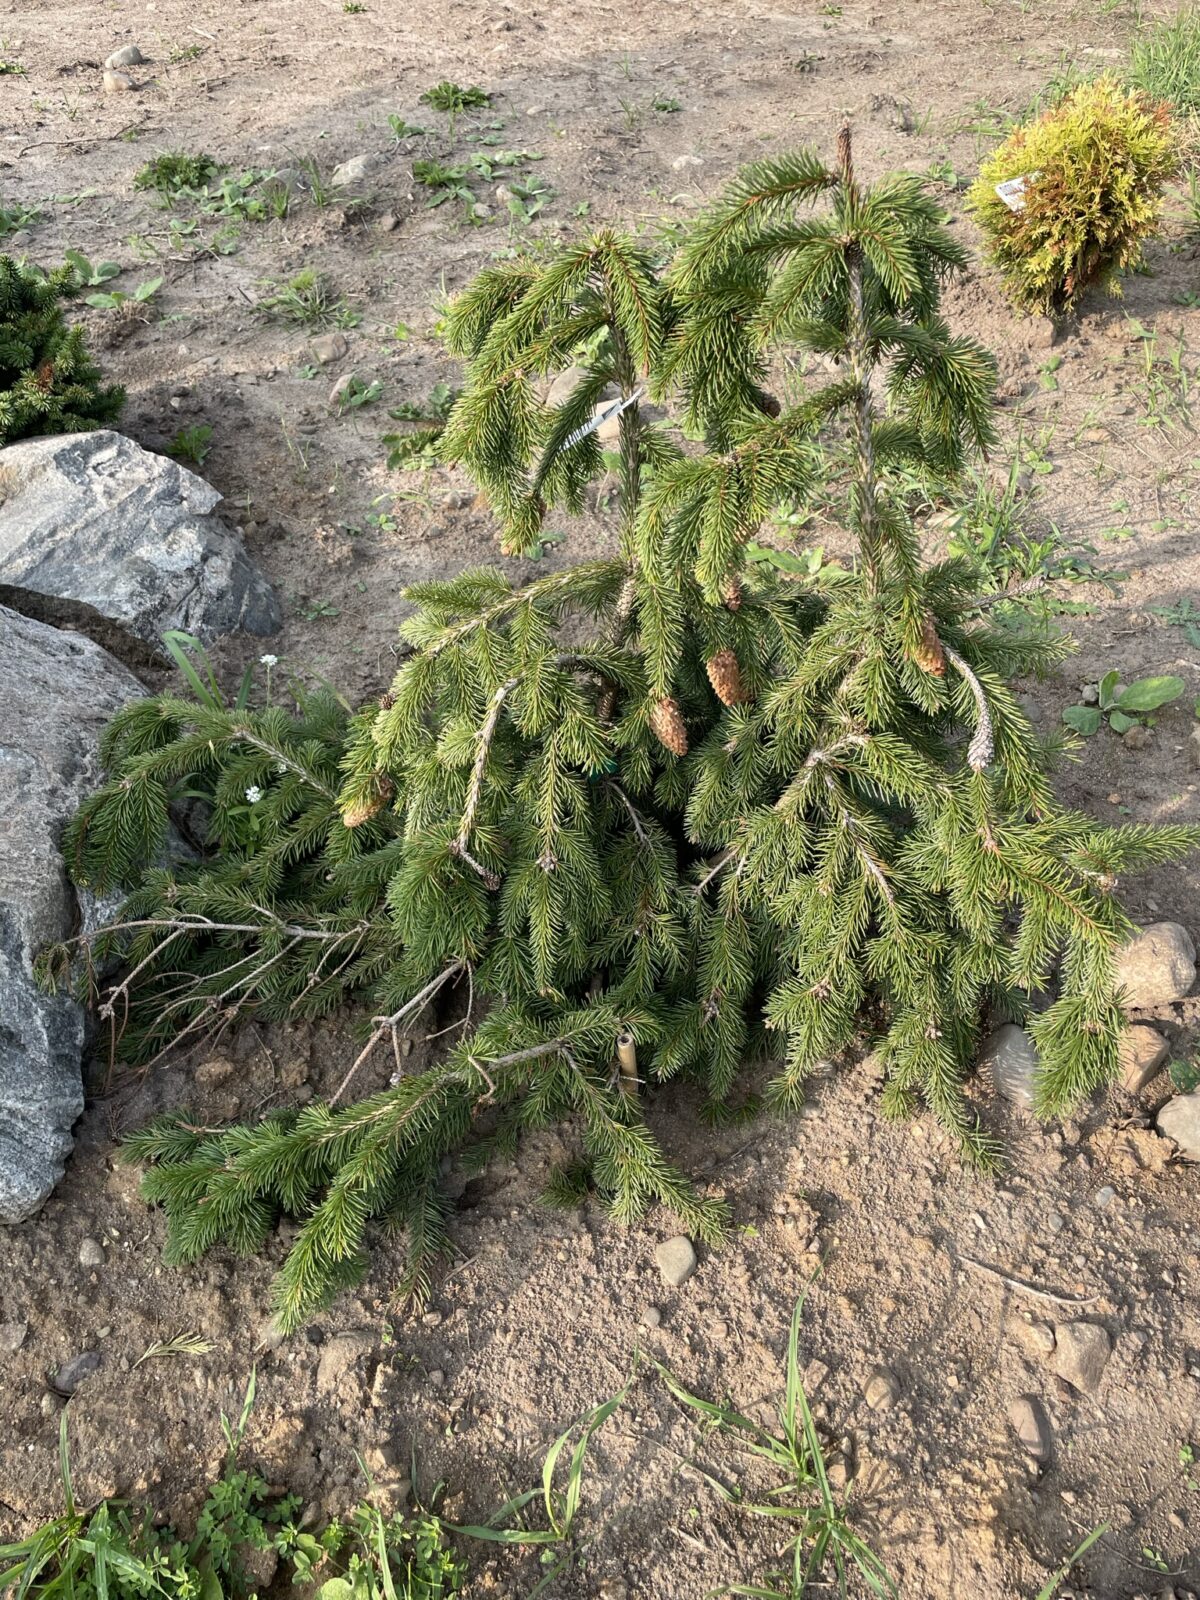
[{"x": 660, "y": 815}]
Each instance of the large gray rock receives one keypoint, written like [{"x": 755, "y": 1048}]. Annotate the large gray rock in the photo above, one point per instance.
[
  {"x": 1158, "y": 965},
  {"x": 99, "y": 525},
  {"x": 59, "y": 690}
]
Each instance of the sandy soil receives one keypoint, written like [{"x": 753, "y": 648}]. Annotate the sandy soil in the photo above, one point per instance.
[{"x": 539, "y": 1318}]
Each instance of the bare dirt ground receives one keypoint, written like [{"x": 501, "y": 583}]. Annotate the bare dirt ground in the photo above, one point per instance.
[{"x": 538, "y": 1319}]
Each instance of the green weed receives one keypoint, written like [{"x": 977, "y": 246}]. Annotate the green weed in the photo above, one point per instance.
[
  {"x": 191, "y": 444},
  {"x": 173, "y": 172},
  {"x": 804, "y": 1499},
  {"x": 1165, "y": 60},
  {"x": 308, "y": 300},
  {"x": 1125, "y": 705}
]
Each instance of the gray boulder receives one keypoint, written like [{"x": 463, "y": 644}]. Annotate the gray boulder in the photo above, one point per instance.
[
  {"x": 59, "y": 691},
  {"x": 1157, "y": 966},
  {"x": 95, "y": 526}
]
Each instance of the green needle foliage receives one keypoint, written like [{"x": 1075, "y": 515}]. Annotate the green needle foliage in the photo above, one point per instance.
[
  {"x": 48, "y": 382},
  {"x": 652, "y": 816},
  {"x": 1092, "y": 171}
]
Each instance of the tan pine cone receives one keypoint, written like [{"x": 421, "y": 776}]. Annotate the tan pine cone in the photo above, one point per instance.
[
  {"x": 930, "y": 656},
  {"x": 370, "y": 805},
  {"x": 667, "y": 722},
  {"x": 731, "y": 592},
  {"x": 726, "y": 678}
]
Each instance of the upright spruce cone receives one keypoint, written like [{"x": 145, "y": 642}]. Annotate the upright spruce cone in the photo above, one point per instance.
[
  {"x": 731, "y": 592},
  {"x": 667, "y": 722},
  {"x": 929, "y": 655},
  {"x": 371, "y": 804},
  {"x": 726, "y": 678}
]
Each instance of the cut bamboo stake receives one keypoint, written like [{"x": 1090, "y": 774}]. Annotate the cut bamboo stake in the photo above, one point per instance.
[{"x": 627, "y": 1062}]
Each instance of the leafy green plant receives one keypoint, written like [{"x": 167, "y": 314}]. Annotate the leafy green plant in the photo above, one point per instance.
[
  {"x": 1164, "y": 61},
  {"x": 665, "y": 811},
  {"x": 454, "y": 181},
  {"x": 454, "y": 99},
  {"x": 192, "y": 443},
  {"x": 1183, "y": 614},
  {"x": 309, "y": 300},
  {"x": 359, "y": 392},
  {"x": 1184, "y": 1075},
  {"x": 825, "y": 1537},
  {"x": 114, "y": 299},
  {"x": 418, "y": 446},
  {"x": 119, "y": 1551},
  {"x": 88, "y": 274},
  {"x": 1066, "y": 203},
  {"x": 404, "y": 130},
  {"x": 48, "y": 382},
  {"x": 176, "y": 172},
  {"x": 15, "y": 217},
  {"x": 1125, "y": 705},
  {"x": 12, "y": 69}
]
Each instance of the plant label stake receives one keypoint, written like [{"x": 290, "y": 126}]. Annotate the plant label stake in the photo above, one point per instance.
[{"x": 601, "y": 417}]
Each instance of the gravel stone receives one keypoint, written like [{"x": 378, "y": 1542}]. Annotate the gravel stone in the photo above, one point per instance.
[
  {"x": 1081, "y": 1352},
  {"x": 91, "y": 1253},
  {"x": 882, "y": 1389},
  {"x": 72, "y": 1373},
  {"x": 676, "y": 1260},
  {"x": 1028, "y": 1419}
]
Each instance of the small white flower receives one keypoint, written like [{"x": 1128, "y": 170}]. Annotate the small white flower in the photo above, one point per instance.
[
  {"x": 254, "y": 794},
  {"x": 269, "y": 661}
]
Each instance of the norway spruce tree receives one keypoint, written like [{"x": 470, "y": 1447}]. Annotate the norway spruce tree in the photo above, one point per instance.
[{"x": 657, "y": 815}]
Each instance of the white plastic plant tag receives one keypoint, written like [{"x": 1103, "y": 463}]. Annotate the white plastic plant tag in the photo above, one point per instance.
[
  {"x": 1012, "y": 190},
  {"x": 601, "y": 418}
]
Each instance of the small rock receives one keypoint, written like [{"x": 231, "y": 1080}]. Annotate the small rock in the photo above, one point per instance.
[
  {"x": 1081, "y": 1352},
  {"x": 1179, "y": 1119},
  {"x": 1035, "y": 1338},
  {"x": 127, "y": 56},
  {"x": 1031, "y": 1425},
  {"x": 1090, "y": 694},
  {"x": 1137, "y": 737},
  {"x": 882, "y": 1389},
  {"x": 339, "y": 389},
  {"x": 1010, "y": 1057},
  {"x": 1158, "y": 965},
  {"x": 676, "y": 1260},
  {"x": 355, "y": 170},
  {"x": 117, "y": 82},
  {"x": 650, "y": 1317},
  {"x": 1031, "y": 708},
  {"x": 613, "y": 1589},
  {"x": 1105, "y": 1196},
  {"x": 1143, "y": 1051},
  {"x": 437, "y": 1378},
  {"x": 328, "y": 347},
  {"x": 214, "y": 1072},
  {"x": 91, "y": 1253},
  {"x": 72, "y": 1373},
  {"x": 52, "y": 1404},
  {"x": 680, "y": 162},
  {"x": 339, "y": 1355},
  {"x": 12, "y": 1337},
  {"x": 388, "y": 222},
  {"x": 1193, "y": 736}
]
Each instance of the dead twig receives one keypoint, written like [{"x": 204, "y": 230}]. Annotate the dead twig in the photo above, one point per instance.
[{"x": 1028, "y": 1288}]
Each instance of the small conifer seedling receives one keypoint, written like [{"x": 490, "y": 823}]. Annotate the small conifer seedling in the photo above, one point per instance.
[
  {"x": 48, "y": 382},
  {"x": 662, "y": 814}
]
